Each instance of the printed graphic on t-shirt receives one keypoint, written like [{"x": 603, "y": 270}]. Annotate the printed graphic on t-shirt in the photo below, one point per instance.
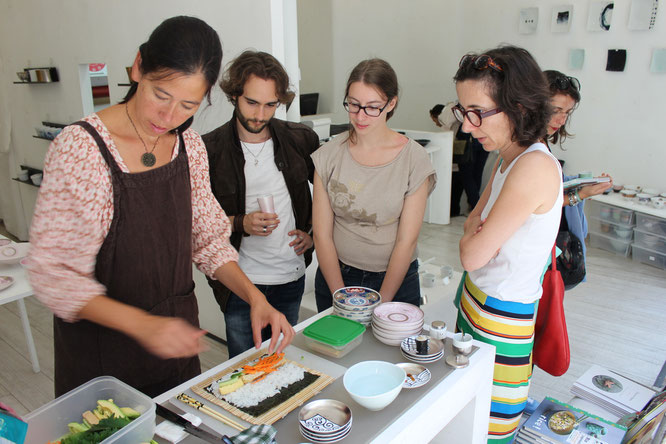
[{"x": 343, "y": 204}]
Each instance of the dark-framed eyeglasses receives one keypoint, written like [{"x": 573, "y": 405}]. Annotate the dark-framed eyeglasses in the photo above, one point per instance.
[
  {"x": 475, "y": 117},
  {"x": 369, "y": 110},
  {"x": 564, "y": 82},
  {"x": 483, "y": 61}
]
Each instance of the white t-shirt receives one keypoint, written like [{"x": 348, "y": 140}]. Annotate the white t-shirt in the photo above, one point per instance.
[
  {"x": 515, "y": 273},
  {"x": 268, "y": 260}
]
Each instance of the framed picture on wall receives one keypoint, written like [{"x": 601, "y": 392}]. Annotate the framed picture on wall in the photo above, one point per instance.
[
  {"x": 600, "y": 16},
  {"x": 529, "y": 19},
  {"x": 561, "y": 19}
]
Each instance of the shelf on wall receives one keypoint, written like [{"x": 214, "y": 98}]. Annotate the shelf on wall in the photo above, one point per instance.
[
  {"x": 43, "y": 138},
  {"x": 31, "y": 171},
  {"x": 124, "y": 84},
  {"x": 43, "y": 75}
]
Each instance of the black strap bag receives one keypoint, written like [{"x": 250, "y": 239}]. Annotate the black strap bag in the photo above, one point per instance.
[{"x": 571, "y": 263}]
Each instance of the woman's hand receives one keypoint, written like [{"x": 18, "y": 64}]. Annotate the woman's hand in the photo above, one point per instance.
[
  {"x": 167, "y": 337},
  {"x": 594, "y": 190},
  {"x": 263, "y": 314},
  {"x": 260, "y": 224},
  {"x": 302, "y": 243}
]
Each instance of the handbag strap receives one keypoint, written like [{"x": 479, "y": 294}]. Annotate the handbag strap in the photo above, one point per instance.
[{"x": 553, "y": 265}]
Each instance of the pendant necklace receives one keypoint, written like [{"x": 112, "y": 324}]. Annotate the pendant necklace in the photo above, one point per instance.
[
  {"x": 256, "y": 158},
  {"x": 148, "y": 158}
]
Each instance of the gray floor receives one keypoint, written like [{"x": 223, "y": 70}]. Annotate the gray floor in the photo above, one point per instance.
[{"x": 617, "y": 319}]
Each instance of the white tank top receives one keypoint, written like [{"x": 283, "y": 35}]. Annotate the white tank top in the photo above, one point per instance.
[{"x": 515, "y": 273}]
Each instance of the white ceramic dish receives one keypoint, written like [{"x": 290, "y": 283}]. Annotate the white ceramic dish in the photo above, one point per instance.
[
  {"x": 423, "y": 361},
  {"x": 399, "y": 313},
  {"x": 318, "y": 438},
  {"x": 13, "y": 253},
  {"x": 392, "y": 336},
  {"x": 389, "y": 342},
  {"x": 374, "y": 384},
  {"x": 435, "y": 346},
  {"x": 398, "y": 327},
  {"x": 325, "y": 416},
  {"x": 4, "y": 242},
  {"x": 417, "y": 375},
  {"x": 6, "y": 282}
]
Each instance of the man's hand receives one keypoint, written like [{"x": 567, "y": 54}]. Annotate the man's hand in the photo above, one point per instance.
[
  {"x": 263, "y": 314},
  {"x": 260, "y": 224},
  {"x": 593, "y": 190},
  {"x": 302, "y": 242}
]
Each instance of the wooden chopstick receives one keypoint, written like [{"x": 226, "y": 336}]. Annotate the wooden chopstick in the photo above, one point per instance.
[{"x": 210, "y": 412}]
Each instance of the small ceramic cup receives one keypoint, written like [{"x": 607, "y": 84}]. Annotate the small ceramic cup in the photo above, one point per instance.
[
  {"x": 462, "y": 343},
  {"x": 428, "y": 280},
  {"x": 437, "y": 329},
  {"x": 23, "y": 175},
  {"x": 36, "y": 178}
]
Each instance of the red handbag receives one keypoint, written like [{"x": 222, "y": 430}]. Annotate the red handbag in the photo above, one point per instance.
[{"x": 551, "y": 341}]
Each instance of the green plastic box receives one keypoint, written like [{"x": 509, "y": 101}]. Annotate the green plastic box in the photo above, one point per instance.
[{"x": 333, "y": 335}]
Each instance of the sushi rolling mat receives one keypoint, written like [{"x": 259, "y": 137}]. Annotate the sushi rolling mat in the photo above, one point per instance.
[{"x": 292, "y": 353}]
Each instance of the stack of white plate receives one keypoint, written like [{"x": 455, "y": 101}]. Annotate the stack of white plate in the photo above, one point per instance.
[
  {"x": 356, "y": 303},
  {"x": 325, "y": 420},
  {"x": 434, "y": 352},
  {"x": 394, "y": 321}
]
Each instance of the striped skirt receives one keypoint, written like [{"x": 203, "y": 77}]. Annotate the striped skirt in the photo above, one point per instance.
[{"x": 509, "y": 326}]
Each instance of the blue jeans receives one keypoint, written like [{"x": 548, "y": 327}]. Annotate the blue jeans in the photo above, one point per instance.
[
  {"x": 285, "y": 298},
  {"x": 409, "y": 291}
]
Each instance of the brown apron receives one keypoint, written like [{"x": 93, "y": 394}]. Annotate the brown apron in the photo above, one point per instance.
[{"x": 145, "y": 261}]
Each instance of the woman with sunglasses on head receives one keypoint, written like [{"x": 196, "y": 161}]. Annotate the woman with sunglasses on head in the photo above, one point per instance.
[
  {"x": 124, "y": 209},
  {"x": 504, "y": 103},
  {"x": 564, "y": 98},
  {"x": 370, "y": 191}
]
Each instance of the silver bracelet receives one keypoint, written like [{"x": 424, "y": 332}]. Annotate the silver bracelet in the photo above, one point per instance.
[{"x": 573, "y": 199}]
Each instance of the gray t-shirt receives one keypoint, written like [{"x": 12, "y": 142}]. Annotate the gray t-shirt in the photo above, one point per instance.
[{"x": 367, "y": 200}]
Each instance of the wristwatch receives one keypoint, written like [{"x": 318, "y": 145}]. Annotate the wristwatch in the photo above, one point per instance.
[{"x": 573, "y": 199}]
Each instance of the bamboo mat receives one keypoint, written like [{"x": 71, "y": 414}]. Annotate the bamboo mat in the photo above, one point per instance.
[{"x": 277, "y": 412}]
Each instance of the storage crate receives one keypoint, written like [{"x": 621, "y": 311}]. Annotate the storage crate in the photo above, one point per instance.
[
  {"x": 648, "y": 256},
  {"x": 610, "y": 213},
  {"x": 49, "y": 422},
  {"x": 611, "y": 244},
  {"x": 610, "y": 229},
  {"x": 650, "y": 241},
  {"x": 651, "y": 224}
]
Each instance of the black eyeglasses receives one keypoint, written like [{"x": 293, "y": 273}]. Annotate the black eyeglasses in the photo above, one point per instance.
[
  {"x": 369, "y": 110},
  {"x": 474, "y": 116},
  {"x": 483, "y": 61},
  {"x": 564, "y": 82}
]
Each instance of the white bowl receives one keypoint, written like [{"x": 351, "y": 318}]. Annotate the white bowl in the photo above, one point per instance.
[
  {"x": 36, "y": 178},
  {"x": 651, "y": 191},
  {"x": 624, "y": 233},
  {"x": 618, "y": 245},
  {"x": 374, "y": 384},
  {"x": 13, "y": 253}
]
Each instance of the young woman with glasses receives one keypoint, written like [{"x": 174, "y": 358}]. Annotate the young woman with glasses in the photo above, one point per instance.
[
  {"x": 564, "y": 98},
  {"x": 508, "y": 237},
  {"x": 370, "y": 191}
]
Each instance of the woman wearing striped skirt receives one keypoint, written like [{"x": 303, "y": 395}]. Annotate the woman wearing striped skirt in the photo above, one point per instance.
[{"x": 504, "y": 103}]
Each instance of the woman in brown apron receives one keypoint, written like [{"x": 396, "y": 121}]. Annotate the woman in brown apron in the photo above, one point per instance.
[{"x": 127, "y": 195}]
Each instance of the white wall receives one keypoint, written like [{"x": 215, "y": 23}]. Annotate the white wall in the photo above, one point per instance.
[{"x": 618, "y": 123}]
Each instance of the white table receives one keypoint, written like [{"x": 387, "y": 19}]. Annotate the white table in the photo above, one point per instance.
[
  {"x": 456, "y": 410},
  {"x": 17, "y": 292}
]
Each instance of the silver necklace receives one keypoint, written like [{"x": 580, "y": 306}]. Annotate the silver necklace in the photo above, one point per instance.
[
  {"x": 256, "y": 158},
  {"x": 148, "y": 158}
]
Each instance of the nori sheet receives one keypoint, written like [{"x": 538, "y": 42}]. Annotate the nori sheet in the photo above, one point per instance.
[{"x": 286, "y": 393}]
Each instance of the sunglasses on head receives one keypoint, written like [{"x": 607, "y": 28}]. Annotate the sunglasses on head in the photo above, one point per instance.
[
  {"x": 483, "y": 61},
  {"x": 564, "y": 82}
]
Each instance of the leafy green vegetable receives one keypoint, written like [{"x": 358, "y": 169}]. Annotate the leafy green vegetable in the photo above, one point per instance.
[{"x": 98, "y": 432}]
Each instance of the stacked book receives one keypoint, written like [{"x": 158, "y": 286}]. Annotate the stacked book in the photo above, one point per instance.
[
  {"x": 649, "y": 425},
  {"x": 556, "y": 422},
  {"x": 614, "y": 393}
]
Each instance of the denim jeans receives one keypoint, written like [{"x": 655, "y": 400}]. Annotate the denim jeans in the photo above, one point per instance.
[
  {"x": 409, "y": 291},
  {"x": 286, "y": 298}
]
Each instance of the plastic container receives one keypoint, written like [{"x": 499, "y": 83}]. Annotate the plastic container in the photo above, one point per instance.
[
  {"x": 610, "y": 213},
  {"x": 334, "y": 336},
  {"x": 49, "y": 422},
  {"x": 610, "y": 229},
  {"x": 648, "y": 256},
  {"x": 650, "y": 241},
  {"x": 611, "y": 244},
  {"x": 651, "y": 224}
]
